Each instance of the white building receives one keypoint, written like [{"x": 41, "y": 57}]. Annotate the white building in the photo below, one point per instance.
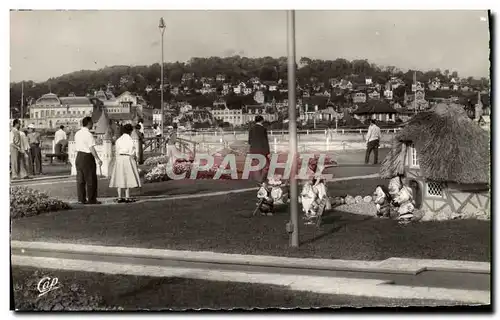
[{"x": 51, "y": 111}]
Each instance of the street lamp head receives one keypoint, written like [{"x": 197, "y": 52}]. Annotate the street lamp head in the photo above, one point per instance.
[{"x": 161, "y": 25}]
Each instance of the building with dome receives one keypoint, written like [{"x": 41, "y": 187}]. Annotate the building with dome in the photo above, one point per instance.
[{"x": 51, "y": 111}]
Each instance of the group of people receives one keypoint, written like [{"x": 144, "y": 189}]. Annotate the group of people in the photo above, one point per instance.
[
  {"x": 124, "y": 168},
  {"x": 124, "y": 171},
  {"x": 25, "y": 151}
]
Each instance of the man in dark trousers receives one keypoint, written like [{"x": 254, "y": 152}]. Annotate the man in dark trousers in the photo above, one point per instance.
[
  {"x": 372, "y": 142},
  {"x": 35, "y": 150},
  {"x": 259, "y": 144},
  {"x": 86, "y": 157}
]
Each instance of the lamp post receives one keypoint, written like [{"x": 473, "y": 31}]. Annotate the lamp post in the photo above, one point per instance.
[
  {"x": 161, "y": 26},
  {"x": 293, "y": 227}
]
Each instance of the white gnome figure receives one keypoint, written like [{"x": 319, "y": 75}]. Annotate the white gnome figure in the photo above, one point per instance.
[
  {"x": 314, "y": 199},
  {"x": 307, "y": 198},
  {"x": 382, "y": 202},
  {"x": 395, "y": 185},
  {"x": 406, "y": 205}
]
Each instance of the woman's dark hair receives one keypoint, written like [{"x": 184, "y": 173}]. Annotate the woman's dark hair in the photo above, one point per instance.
[
  {"x": 174, "y": 125},
  {"x": 127, "y": 128}
]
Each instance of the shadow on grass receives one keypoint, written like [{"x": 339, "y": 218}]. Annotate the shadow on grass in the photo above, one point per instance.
[{"x": 335, "y": 218}]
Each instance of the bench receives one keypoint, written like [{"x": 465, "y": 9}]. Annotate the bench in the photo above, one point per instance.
[{"x": 60, "y": 156}]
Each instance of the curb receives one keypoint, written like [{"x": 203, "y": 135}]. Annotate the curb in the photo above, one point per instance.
[
  {"x": 391, "y": 265},
  {"x": 40, "y": 179}
]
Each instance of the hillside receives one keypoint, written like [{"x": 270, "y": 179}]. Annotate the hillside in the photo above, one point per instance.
[{"x": 138, "y": 78}]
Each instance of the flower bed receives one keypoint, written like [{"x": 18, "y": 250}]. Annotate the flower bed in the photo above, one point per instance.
[
  {"x": 160, "y": 172},
  {"x": 154, "y": 161},
  {"x": 65, "y": 298},
  {"x": 26, "y": 202}
]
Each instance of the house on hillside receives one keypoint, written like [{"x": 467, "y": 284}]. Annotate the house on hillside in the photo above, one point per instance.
[
  {"x": 345, "y": 85},
  {"x": 359, "y": 97},
  {"x": 445, "y": 177},
  {"x": 187, "y": 77},
  {"x": 220, "y": 77},
  {"x": 374, "y": 94},
  {"x": 375, "y": 109}
]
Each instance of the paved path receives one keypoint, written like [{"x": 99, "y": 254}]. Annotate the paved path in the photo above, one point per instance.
[{"x": 380, "y": 278}]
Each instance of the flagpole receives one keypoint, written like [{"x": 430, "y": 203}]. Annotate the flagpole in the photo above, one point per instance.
[
  {"x": 292, "y": 130},
  {"x": 22, "y": 99}
]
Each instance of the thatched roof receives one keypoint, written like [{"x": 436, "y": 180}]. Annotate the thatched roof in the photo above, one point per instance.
[{"x": 450, "y": 147}]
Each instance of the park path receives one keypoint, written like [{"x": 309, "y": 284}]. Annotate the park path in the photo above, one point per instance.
[{"x": 461, "y": 281}]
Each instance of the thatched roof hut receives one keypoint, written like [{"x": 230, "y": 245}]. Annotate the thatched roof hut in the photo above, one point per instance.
[{"x": 450, "y": 146}]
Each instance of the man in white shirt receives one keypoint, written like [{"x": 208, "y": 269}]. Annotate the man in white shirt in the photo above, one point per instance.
[
  {"x": 86, "y": 157},
  {"x": 60, "y": 135},
  {"x": 15, "y": 149},
  {"x": 372, "y": 142},
  {"x": 24, "y": 155}
]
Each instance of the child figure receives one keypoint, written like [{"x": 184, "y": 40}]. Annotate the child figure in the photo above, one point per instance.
[{"x": 125, "y": 174}]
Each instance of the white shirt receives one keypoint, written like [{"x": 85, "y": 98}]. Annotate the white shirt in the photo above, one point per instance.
[
  {"x": 25, "y": 144},
  {"x": 84, "y": 140},
  {"x": 373, "y": 133},
  {"x": 157, "y": 131},
  {"x": 60, "y": 135},
  {"x": 14, "y": 133},
  {"x": 125, "y": 145},
  {"x": 141, "y": 130}
]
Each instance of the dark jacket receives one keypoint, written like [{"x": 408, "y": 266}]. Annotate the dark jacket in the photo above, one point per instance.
[{"x": 258, "y": 140}]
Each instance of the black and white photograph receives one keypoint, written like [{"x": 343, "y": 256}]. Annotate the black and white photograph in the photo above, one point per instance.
[{"x": 248, "y": 160}]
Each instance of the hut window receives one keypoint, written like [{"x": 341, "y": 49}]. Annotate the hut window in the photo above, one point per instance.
[
  {"x": 414, "y": 157},
  {"x": 434, "y": 189}
]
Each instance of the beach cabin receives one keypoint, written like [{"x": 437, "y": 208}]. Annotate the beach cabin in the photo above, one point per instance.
[{"x": 445, "y": 158}]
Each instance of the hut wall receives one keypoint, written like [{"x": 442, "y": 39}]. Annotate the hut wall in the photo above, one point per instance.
[
  {"x": 456, "y": 198},
  {"x": 468, "y": 198}
]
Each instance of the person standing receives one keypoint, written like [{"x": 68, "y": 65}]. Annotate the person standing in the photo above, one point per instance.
[
  {"x": 157, "y": 132},
  {"x": 140, "y": 151},
  {"x": 60, "y": 135},
  {"x": 86, "y": 157},
  {"x": 124, "y": 174},
  {"x": 35, "y": 150},
  {"x": 24, "y": 157},
  {"x": 171, "y": 148},
  {"x": 259, "y": 144},
  {"x": 372, "y": 142},
  {"x": 15, "y": 149},
  {"x": 141, "y": 124}
]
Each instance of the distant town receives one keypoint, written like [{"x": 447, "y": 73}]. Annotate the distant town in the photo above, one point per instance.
[{"x": 229, "y": 92}]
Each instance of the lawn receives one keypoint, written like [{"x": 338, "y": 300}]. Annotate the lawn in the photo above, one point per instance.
[
  {"x": 225, "y": 224},
  {"x": 67, "y": 190},
  {"x": 152, "y": 293}
]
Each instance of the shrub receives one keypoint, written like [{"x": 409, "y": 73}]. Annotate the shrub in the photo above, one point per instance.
[
  {"x": 26, "y": 202},
  {"x": 72, "y": 297}
]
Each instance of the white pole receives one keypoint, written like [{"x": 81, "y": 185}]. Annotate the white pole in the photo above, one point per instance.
[{"x": 292, "y": 130}]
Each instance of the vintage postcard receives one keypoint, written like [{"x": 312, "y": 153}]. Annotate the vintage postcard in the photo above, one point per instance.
[{"x": 245, "y": 160}]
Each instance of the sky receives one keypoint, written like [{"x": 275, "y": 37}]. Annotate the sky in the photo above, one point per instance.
[{"x": 46, "y": 44}]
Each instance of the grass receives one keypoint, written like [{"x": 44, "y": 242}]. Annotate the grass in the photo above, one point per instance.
[
  {"x": 67, "y": 190},
  {"x": 151, "y": 293},
  {"x": 225, "y": 224}
]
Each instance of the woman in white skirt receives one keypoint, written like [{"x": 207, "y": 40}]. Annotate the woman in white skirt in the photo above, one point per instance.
[{"x": 125, "y": 174}]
